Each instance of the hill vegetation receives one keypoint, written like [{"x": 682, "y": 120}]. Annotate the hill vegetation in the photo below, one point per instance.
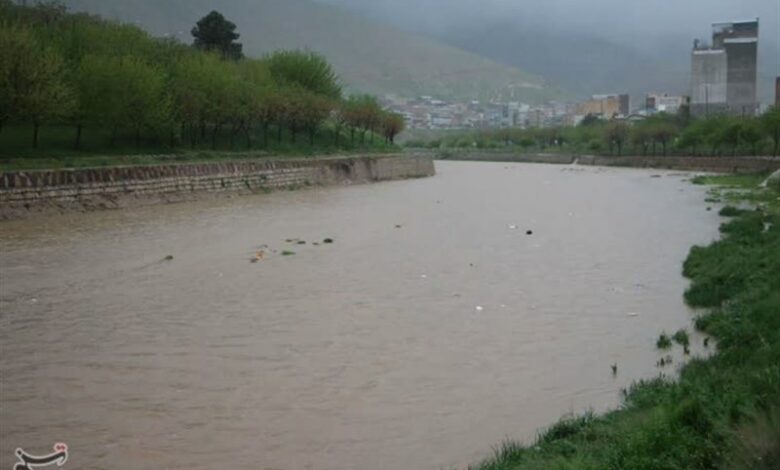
[
  {"x": 111, "y": 86},
  {"x": 369, "y": 56},
  {"x": 662, "y": 134}
]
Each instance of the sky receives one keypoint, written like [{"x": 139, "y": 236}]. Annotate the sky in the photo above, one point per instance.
[{"x": 640, "y": 21}]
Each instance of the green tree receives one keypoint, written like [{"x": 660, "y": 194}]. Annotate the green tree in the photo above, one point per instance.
[
  {"x": 307, "y": 70},
  {"x": 752, "y": 134},
  {"x": 616, "y": 134},
  {"x": 316, "y": 109},
  {"x": 215, "y": 33},
  {"x": 770, "y": 121},
  {"x": 640, "y": 137},
  {"x": 693, "y": 136},
  {"x": 33, "y": 88}
]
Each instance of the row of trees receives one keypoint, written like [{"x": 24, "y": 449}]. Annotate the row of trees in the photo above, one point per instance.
[
  {"x": 77, "y": 70},
  {"x": 657, "y": 135}
]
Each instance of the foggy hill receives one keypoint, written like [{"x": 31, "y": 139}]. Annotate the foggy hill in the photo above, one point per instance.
[
  {"x": 588, "y": 64},
  {"x": 593, "y": 46},
  {"x": 369, "y": 57}
]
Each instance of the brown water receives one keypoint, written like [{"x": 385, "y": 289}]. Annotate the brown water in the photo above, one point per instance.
[{"x": 367, "y": 353}]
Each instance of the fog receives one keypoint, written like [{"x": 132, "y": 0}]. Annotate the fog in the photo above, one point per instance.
[
  {"x": 614, "y": 19},
  {"x": 592, "y": 46}
]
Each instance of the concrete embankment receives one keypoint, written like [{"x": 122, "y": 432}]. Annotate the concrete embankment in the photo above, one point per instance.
[
  {"x": 710, "y": 164},
  {"x": 26, "y": 192}
]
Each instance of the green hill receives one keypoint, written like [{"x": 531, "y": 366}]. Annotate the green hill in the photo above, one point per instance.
[{"x": 369, "y": 56}]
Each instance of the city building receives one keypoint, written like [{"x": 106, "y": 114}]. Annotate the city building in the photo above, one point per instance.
[
  {"x": 664, "y": 103},
  {"x": 777, "y": 91},
  {"x": 723, "y": 74},
  {"x": 605, "y": 106}
]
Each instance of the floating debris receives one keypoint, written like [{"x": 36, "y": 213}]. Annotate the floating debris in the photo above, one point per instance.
[
  {"x": 706, "y": 342},
  {"x": 327, "y": 240},
  {"x": 633, "y": 314},
  {"x": 529, "y": 232},
  {"x": 398, "y": 226},
  {"x": 513, "y": 227},
  {"x": 614, "y": 369},
  {"x": 288, "y": 253},
  {"x": 259, "y": 255},
  {"x": 168, "y": 258},
  {"x": 424, "y": 276},
  {"x": 479, "y": 308},
  {"x": 301, "y": 242}
]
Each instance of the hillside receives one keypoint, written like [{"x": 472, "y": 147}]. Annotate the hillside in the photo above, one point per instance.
[{"x": 369, "y": 57}]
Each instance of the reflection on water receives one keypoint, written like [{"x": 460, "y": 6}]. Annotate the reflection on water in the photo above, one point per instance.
[{"x": 366, "y": 353}]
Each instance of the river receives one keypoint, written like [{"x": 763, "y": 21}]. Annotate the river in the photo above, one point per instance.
[{"x": 431, "y": 329}]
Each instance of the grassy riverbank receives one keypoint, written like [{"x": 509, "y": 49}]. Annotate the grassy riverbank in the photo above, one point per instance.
[
  {"x": 99, "y": 155},
  {"x": 723, "y": 411}
]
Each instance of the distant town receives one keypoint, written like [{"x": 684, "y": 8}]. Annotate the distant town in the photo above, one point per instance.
[{"x": 723, "y": 80}]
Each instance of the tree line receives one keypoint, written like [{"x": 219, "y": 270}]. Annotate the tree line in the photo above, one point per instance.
[
  {"x": 661, "y": 134},
  {"x": 77, "y": 70}
]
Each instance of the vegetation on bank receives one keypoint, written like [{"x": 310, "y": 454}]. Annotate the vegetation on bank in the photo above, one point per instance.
[
  {"x": 74, "y": 85},
  {"x": 724, "y": 410},
  {"x": 662, "y": 134}
]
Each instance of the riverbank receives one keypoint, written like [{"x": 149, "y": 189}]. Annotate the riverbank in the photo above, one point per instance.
[
  {"x": 723, "y": 411},
  {"x": 28, "y": 192},
  {"x": 709, "y": 164}
]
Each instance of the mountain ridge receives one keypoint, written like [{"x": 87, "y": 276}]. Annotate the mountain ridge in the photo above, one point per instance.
[{"x": 369, "y": 56}]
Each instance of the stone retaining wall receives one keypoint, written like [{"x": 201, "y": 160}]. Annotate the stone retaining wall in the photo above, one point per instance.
[
  {"x": 709, "y": 164},
  {"x": 94, "y": 188}
]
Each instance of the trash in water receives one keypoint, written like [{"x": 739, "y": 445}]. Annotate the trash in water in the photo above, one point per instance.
[
  {"x": 513, "y": 227},
  {"x": 327, "y": 240},
  {"x": 288, "y": 253},
  {"x": 424, "y": 276},
  {"x": 479, "y": 308},
  {"x": 529, "y": 232},
  {"x": 259, "y": 255},
  {"x": 398, "y": 226},
  {"x": 301, "y": 242},
  {"x": 168, "y": 258},
  {"x": 633, "y": 314}
]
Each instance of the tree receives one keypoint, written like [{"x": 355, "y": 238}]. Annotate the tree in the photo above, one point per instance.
[
  {"x": 640, "y": 137},
  {"x": 616, "y": 134},
  {"x": 215, "y": 33},
  {"x": 770, "y": 121},
  {"x": 307, "y": 70},
  {"x": 316, "y": 108},
  {"x": 662, "y": 133},
  {"x": 730, "y": 133},
  {"x": 693, "y": 136},
  {"x": 751, "y": 134},
  {"x": 33, "y": 88},
  {"x": 392, "y": 125}
]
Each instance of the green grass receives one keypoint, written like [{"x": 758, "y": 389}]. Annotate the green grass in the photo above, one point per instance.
[
  {"x": 681, "y": 338},
  {"x": 56, "y": 148},
  {"x": 740, "y": 181},
  {"x": 731, "y": 211},
  {"x": 663, "y": 342},
  {"x": 724, "y": 410}
]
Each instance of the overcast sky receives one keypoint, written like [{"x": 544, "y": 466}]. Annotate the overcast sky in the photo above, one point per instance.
[{"x": 622, "y": 19}]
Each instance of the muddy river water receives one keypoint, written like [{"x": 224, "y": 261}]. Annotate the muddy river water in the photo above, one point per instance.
[{"x": 432, "y": 328}]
